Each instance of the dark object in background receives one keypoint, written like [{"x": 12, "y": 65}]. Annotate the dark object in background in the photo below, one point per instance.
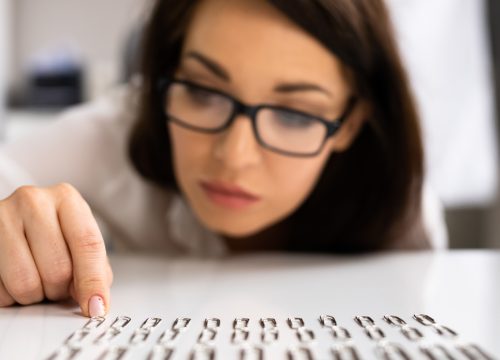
[
  {"x": 494, "y": 27},
  {"x": 57, "y": 87},
  {"x": 131, "y": 53}
]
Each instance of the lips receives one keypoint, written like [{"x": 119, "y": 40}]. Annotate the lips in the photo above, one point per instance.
[{"x": 228, "y": 195}]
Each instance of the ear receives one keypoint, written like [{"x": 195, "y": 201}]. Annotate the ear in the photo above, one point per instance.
[{"x": 351, "y": 127}]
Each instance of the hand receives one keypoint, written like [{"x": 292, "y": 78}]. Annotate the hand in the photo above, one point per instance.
[{"x": 51, "y": 247}]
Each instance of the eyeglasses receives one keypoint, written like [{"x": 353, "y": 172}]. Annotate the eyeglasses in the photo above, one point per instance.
[{"x": 279, "y": 129}]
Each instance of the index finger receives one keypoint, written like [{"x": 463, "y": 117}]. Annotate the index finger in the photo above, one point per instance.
[{"x": 88, "y": 252}]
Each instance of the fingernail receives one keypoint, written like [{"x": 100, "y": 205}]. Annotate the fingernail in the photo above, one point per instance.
[{"x": 96, "y": 306}]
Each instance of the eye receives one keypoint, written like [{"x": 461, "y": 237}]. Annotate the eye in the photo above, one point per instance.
[
  {"x": 201, "y": 96},
  {"x": 293, "y": 120}
]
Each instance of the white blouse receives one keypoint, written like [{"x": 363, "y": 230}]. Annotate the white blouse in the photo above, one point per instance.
[{"x": 87, "y": 148}]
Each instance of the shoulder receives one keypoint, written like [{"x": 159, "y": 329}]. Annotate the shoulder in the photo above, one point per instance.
[
  {"x": 433, "y": 218},
  {"x": 116, "y": 108},
  {"x": 424, "y": 229}
]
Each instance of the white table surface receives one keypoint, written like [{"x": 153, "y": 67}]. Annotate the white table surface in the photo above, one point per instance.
[{"x": 459, "y": 289}]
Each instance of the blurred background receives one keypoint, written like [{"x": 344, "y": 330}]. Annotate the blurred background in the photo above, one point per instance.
[{"x": 58, "y": 53}]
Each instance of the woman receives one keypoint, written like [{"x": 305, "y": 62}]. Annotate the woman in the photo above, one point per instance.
[{"x": 259, "y": 125}]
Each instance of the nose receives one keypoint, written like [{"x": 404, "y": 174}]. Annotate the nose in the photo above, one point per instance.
[{"x": 237, "y": 146}]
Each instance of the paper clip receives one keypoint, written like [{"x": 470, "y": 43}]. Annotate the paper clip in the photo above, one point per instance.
[
  {"x": 300, "y": 353},
  {"x": 473, "y": 351},
  {"x": 239, "y": 336},
  {"x": 411, "y": 333},
  {"x": 442, "y": 330},
  {"x": 168, "y": 336},
  {"x": 150, "y": 323},
  {"x": 295, "y": 323},
  {"x": 241, "y": 323},
  {"x": 394, "y": 320},
  {"x": 391, "y": 351},
  {"x": 107, "y": 335},
  {"x": 66, "y": 352},
  {"x": 77, "y": 337},
  {"x": 161, "y": 352},
  {"x": 340, "y": 333},
  {"x": 203, "y": 353},
  {"x": 206, "y": 336},
  {"x": 436, "y": 351},
  {"x": 345, "y": 351},
  {"x": 327, "y": 321},
  {"x": 212, "y": 323},
  {"x": 181, "y": 323},
  {"x": 269, "y": 335},
  {"x": 424, "y": 319},
  {"x": 114, "y": 353},
  {"x": 305, "y": 335},
  {"x": 120, "y": 322},
  {"x": 374, "y": 333},
  {"x": 251, "y": 353},
  {"x": 94, "y": 322},
  {"x": 364, "y": 321},
  {"x": 140, "y": 336},
  {"x": 268, "y": 323}
]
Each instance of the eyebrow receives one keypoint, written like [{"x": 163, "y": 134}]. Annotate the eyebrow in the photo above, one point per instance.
[{"x": 223, "y": 74}]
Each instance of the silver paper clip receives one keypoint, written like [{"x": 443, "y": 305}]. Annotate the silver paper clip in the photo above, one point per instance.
[
  {"x": 240, "y": 336},
  {"x": 300, "y": 353},
  {"x": 327, "y": 321},
  {"x": 181, "y": 323},
  {"x": 241, "y": 323},
  {"x": 203, "y": 353},
  {"x": 295, "y": 323},
  {"x": 251, "y": 353}
]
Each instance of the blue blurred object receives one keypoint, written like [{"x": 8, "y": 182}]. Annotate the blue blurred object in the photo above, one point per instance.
[{"x": 55, "y": 79}]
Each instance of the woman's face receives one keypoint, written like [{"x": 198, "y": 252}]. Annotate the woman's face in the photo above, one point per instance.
[{"x": 248, "y": 49}]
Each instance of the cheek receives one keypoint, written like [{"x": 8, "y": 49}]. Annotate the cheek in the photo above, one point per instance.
[
  {"x": 294, "y": 179},
  {"x": 190, "y": 151}
]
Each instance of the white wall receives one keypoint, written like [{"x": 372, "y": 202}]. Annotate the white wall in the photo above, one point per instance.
[
  {"x": 97, "y": 28},
  {"x": 445, "y": 46}
]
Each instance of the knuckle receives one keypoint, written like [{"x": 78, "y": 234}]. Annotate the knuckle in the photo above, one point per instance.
[
  {"x": 24, "y": 286},
  {"x": 90, "y": 242},
  {"x": 26, "y": 192},
  {"x": 60, "y": 273},
  {"x": 68, "y": 194},
  {"x": 29, "y": 198},
  {"x": 67, "y": 190}
]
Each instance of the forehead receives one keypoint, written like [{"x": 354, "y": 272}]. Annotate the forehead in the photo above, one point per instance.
[{"x": 252, "y": 36}]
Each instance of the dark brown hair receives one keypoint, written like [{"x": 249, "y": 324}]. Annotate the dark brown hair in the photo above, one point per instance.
[{"x": 367, "y": 196}]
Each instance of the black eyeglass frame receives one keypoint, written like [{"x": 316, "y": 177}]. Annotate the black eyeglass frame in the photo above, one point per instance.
[{"x": 251, "y": 112}]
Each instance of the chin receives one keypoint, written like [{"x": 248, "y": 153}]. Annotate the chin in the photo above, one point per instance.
[{"x": 234, "y": 230}]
